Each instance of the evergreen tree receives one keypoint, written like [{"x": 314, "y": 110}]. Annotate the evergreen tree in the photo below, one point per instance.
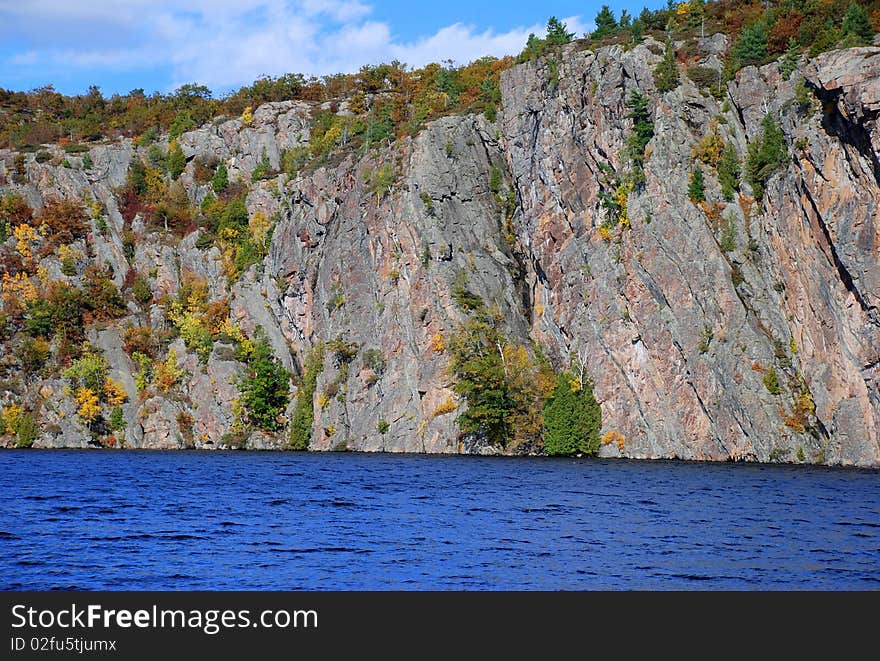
[
  {"x": 637, "y": 30},
  {"x": 643, "y": 129},
  {"x": 752, "y": 45},
  {"x": 557, "y": 32},
  {"x": 666, "y": 73},
  {"x": 605, "y": 23},
  {"x": 790, "y": 59},
  {"x": 264, "y": 389},
  {"x": 625, "y": 20},
  {"x": 857, "y": 29},
  {"x": 729, "y": 172},
  {"x": 572, "y": 418},
  {"x": 535, "y": 47},
  {"x": 765, "y": 156},
  {"x": 697, "y": 186},
  {"x": 176, "y": 160},
  {"x": 220, "y": 180}
]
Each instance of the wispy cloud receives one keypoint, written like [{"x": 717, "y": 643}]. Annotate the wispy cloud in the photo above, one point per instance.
[{"x": 227, "y": 43}]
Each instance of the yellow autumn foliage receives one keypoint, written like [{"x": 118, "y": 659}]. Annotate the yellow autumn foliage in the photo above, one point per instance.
[
  {"x": 258, "y": 227},
  {"x": 437, "y": 344},
  {"x": 25, "y": 238},
  {"x": 114, "y": 393},
  {"x": 88, "y": 405},
  {"x": 12, "y": 414},
  {"x": 613, "y": 436},
  {"x": 448, "y": 405}
]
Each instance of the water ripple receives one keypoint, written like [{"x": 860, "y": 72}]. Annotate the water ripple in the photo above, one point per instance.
[{"x": 251, "y": 521}]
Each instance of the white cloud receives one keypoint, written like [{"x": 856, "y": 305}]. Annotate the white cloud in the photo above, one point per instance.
[{"x": 227, "y": 43}]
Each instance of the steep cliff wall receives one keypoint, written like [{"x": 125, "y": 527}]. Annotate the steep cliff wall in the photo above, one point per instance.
[{"x": 682, "y": 310}]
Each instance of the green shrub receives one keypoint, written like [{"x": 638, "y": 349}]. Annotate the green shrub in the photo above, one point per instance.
[
  {"x": 729, "y": 172},
  {"x": 428, "y": 202},
  {"x": 766, "y": 155},
  {"x": 771, "y": 381},
  {"x": 379, "y": 182},
  {"x": 147, "y": 137},
  {"x": 220, "y": 179},
  {"x": 176, "y": 161},
  {"x": 374, "y": 359},
  {"x": 293, "y": 160},
  {"x": 495, "y": 180},
  {"x": 26, "y": 430},
  {"x": 117, "y": 419},
  {"x": 263, "y": 169},
  {"x": 182, "y": 123},
  {"x": 463, "y": 297},
  {"x": 728, "y": 235},
  {"x": 383, "y": 426},
  {"x": 140, "y": 290},
  {"x": 88, "y": 371},
  {"x": 304, "y": 411},
  {"x": 32, "y": 354},
  {"x": 697, "y": 186}
]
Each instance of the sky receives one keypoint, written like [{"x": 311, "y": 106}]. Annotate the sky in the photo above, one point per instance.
[{"x": 158, "y": 45}]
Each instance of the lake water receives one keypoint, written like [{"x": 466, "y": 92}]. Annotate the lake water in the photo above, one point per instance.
[{"x": 253, "y": 521}]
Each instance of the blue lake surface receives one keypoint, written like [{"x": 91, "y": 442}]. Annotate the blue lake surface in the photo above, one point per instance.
[{"x": 255, "y": 521}]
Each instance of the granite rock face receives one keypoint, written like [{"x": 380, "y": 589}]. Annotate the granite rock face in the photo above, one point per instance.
[
  {"x": 682, "y": 312},
  {"x": 680, "y": 331}
]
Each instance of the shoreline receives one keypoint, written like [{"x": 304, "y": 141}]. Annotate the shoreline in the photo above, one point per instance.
[{"x": 450, "y": 455}]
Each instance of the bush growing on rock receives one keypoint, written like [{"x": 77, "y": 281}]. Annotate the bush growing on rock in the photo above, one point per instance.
[
  {"x": 304, "y": 412},
  {"x": 265, "y": 388},
  {"x": 766, "y": 155}
]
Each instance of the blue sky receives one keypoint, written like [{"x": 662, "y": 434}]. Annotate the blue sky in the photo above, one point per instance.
[{"x": 121, "y": 45}]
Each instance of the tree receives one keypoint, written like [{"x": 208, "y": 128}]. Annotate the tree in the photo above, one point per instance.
[
  {"x": 766, "y": 155},
  {"x": 304, "y": 411},
  {"x": 572, "y": 418},
  {"x": 790, "y": 59},
  {"x": 643, "y": 129},
  {"x": 729, "y": 172},
  {"x": 697, "y": 186},
  {"x": 637, "y": 30},
  {"x": 181, "y": 124},
  {"x": 557, "y": 32},
  {"x": 605, "y": 23},
  {"x": 220, "y": 180},
  {"x": 856, "y": 29},
  {"x": 752, "y": 45},
  {"x": 666, "y": 73},
  {"x": 66, "y": 220},
  {"x": 529, "y": 384},
  {"x": 265, "y": 389},
  {"x": 477, "y": 365},
  {"x": 176, "y": 160}
]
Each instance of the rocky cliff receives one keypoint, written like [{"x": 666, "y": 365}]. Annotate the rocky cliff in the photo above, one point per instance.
[{"x": 741, "y": 329}]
